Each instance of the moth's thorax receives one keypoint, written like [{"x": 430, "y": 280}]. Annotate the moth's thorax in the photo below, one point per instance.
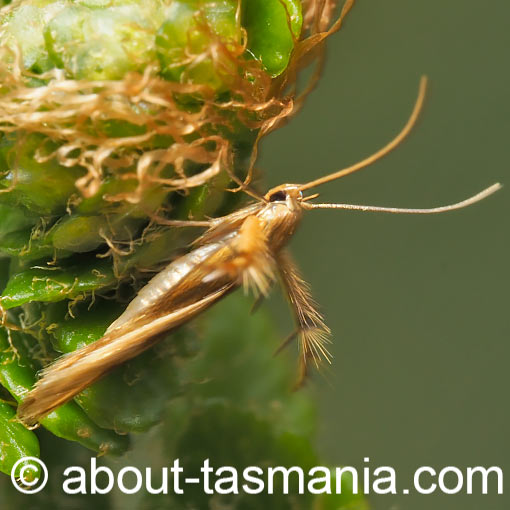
[{"x": 279, "y": 221}]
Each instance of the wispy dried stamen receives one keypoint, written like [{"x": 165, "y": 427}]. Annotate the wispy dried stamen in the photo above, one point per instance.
[{"x": 76, "y": 114}]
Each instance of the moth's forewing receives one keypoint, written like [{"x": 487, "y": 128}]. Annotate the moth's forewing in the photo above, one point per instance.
[{"x": 73, "y": 372}]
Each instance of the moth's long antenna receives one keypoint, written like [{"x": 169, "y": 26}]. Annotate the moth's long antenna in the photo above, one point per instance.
[
  {"x": 381, "y": 152},
  {"x": 398, "y": 210}
]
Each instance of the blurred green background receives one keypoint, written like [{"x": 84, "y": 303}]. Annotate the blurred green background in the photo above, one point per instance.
[{"x": 418, "y": 304}]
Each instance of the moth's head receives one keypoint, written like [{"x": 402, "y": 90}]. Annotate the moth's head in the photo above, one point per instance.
[
  {"x": 289, "y": 194},
  {"x": 281, "y": 213}
]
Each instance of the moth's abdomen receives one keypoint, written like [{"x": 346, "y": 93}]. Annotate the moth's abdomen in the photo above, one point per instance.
[{"x": 162, "y": 284}]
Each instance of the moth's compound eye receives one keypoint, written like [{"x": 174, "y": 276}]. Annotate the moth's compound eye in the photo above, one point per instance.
[{"x": 278, "y": 196}]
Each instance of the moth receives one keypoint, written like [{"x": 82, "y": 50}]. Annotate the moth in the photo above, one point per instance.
[{"x": 245, "y": 248}]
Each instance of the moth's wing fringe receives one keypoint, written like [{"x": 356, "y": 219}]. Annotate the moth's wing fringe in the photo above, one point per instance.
[
  {"x": 313, "y": 333},
  {"x": 73, "y": 372}
]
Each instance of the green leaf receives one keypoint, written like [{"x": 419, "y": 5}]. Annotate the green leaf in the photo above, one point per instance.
[
  {"x": 272, "y": 27},
  {"x": 26, "y": 246},
  {"x": 86, "y": 233},
  {"x": 57, "y": 283},
  {"x": 72, "y": 423},
  {"x": 16, "y": 441}
]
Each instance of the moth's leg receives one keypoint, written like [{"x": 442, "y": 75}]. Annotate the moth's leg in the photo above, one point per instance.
[
  {"x": 181, "y": 223},
  {"x": 312, "y": 331},
  {"x": 250, "y": 261},
  {"x": 229, "y": 220},
  {"x": 257, "y": 304},
  {"x": 287, "y": 342}
]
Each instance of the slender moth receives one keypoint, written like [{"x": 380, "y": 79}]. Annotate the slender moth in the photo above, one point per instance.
[{"x": 245, "y": 248}]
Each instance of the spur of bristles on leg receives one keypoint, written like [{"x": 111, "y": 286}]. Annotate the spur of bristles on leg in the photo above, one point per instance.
[{"x": 312, "y": 331}]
